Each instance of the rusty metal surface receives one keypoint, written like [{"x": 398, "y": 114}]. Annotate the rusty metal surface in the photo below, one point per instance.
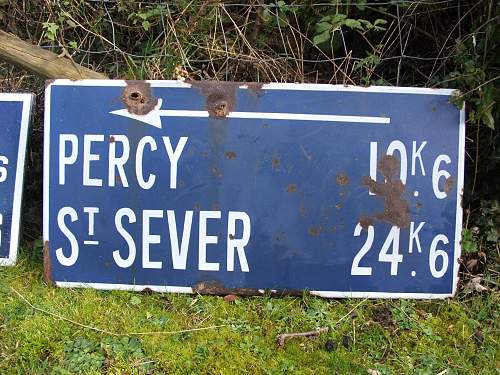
[
  {"x": 396, "y": 210},
  {"x": 317, "y": 172},
  {"x": 138, "y": 98},
  {"x": 220, "y": 97}
]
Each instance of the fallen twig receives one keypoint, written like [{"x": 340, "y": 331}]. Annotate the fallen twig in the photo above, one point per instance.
[{"x": 283, "y": 336}]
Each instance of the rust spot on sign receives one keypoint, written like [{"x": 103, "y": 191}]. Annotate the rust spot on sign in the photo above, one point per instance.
[
  {"x": 448, "y": 185},
  {"x": 255, "y": 88},
  {"x": 292, "y": 188},
  {"x": 111, "y": 138},
  {"x": 47, "y": 265},
  {"x": 342, "y": 179},
  {"x": 216, "y": 288},
  {"x": 48, "y": 82},
  {"x": 302, "y": 210},
  {"x": 396, "y": 210},
  {"x": 365, "y": 222},
  {"x": 138, "y": 98},
  {"x": 230, "y": 155},
  {"x": 275, "y": 162},
  {"x": 220, "y": 96},
  {"x": 315, "y": 231}
]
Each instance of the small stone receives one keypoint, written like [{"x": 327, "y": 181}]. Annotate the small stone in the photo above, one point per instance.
[
  {"x": 478, "y": 337},
  {"x": 346, "y": 341},
  {"x": 330, "y": 345}
]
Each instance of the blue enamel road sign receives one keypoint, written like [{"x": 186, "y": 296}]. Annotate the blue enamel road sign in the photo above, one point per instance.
[
  {"x": 15, "y": 112},
  {"x": 221, "y": 188}
]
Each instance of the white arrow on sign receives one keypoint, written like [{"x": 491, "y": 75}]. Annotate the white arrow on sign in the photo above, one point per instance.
[{"x": 154, "y": 117}]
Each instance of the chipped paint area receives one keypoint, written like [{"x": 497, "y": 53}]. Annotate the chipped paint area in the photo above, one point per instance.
[
  {"x": 138, "y": 98},
  {"x": 218, "y": 289},
  {"x": 396, "y": 208},
  {"x": 291, "y": 188},
  {"x": 366, "y": 222},
  {"x": 342, "y": 179},
  {"x": 230, "y": 155},
  {"x": 448, "y": 185},
  {"x": 220, "y": 96}
]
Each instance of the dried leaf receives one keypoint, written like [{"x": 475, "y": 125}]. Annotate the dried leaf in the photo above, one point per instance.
[
  {"x": 230, "y": 298},
  {"x": 472, "y": 264},
  {"x": 474, "y": 285}
]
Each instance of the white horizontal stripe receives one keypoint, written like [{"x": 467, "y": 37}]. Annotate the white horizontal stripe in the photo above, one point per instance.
[
  {"x": 279, "y": 116},
  {"x": 181, "y": 113},
  {"x": 309, "y": 117},
  {"x": 91, "y": 242}
]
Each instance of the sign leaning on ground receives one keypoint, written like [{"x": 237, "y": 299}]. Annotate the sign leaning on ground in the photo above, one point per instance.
[
  {"x": 220, "y": 188},
  {"x": 15, "y": 112}
]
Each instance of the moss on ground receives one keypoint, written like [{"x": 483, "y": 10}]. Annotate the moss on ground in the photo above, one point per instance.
[{"x": 457, "y": 336}]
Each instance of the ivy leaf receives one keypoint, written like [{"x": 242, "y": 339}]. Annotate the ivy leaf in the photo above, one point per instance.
[
  {"x": 338, "y": 19},
  {"x": 50, "y": 30},
  {"x": 323, "y": 26},
  {"x": 380, "y": 21},
  {"x": 488, "y": 119},
  {"x": 322, "y": 37},
  {"x": 361, "y": 4},
  {"x": 71, "y": 23},
  {"x": 353, "y": 24}
]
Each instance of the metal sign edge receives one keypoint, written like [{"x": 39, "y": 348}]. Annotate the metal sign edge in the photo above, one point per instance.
[
  {"x": 272, "y": 86},
  {"x": 28, "y": 100}
]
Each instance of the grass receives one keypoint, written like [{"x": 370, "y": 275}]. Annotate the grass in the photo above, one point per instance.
[{"x": 73, "y": 331}]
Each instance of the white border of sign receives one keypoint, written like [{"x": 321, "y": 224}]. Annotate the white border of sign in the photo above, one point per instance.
[
  {"x": 269, "y": 86},
  {"x": 27, "y": 100}
]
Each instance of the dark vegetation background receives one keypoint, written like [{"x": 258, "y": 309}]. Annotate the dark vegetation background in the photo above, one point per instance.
[{"x": 429, "y": 43}]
